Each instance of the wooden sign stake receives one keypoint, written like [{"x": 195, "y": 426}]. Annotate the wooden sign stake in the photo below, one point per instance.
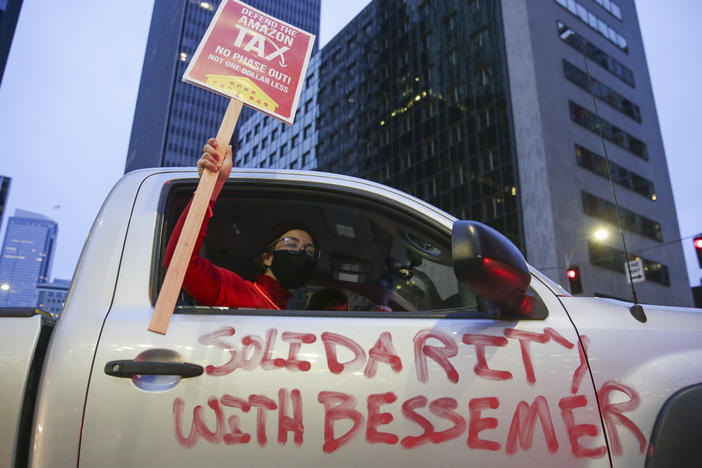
[{"x": 168, "y": 296}]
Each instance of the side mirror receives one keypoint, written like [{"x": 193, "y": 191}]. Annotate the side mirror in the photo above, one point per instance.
[{"x": 492, "y": 266}]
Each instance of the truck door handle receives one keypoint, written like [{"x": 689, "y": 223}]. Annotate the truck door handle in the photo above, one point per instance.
[{"x": 130, "y": 368}]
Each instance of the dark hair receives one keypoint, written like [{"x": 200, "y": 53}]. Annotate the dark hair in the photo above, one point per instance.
[
  {"x": 327, "y": 299},
  {"x": 275, "y": 233}
]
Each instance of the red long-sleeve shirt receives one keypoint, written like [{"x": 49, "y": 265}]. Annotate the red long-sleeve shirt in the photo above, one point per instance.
[{"x": 216, "y": 286}]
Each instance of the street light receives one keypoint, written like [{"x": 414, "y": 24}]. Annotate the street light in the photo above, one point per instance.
[
  {"x": 601, "y": 234},
  {"x": 4, "y": 287},
  {"x": 572, "y": 271},
  {"x": 598, "y": 235}
]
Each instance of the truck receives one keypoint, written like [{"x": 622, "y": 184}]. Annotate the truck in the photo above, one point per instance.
[{"x": 474, "y": 359}]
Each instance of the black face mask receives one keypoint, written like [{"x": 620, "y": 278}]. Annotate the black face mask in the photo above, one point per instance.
[{"x": 291, "y": 269}]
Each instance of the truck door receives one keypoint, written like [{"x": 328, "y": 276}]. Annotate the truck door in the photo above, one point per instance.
[{"x": 438, "y": 380}]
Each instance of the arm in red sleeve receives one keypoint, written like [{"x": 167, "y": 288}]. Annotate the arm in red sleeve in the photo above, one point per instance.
[{"x": 207, "y": 283}]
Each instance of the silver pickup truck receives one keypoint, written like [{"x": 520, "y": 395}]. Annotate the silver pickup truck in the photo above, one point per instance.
[{"x": 474, "y": 358}]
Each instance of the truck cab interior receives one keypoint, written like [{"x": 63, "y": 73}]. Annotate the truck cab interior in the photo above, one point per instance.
[{"x": 377, "y": 254}]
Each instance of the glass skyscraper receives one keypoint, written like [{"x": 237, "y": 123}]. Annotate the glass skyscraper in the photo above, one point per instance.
[
  {"x": 414, "y": 95},
  {"x": 51, "y": 296},
  {"x": 4, "y": 192},
  {"x": 266, "y": 142},
  {"x": 27, "y": 255},
  {"x": 173, "y": 119},
  {"x": 9, "y": 14}
]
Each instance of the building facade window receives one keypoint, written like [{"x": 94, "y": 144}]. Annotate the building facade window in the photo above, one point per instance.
[
  {"x": 611, "y": 7},
  {"x": 595, "y": 54},
  {"x": 614, "y": 259},
  {"x": 589, "y": 18},
  {"x": 620, "y": 175},
  {"x": 601, "y": 91},
  {"x": 634, "y": 222},
  {"x": 616, "y": 135}
]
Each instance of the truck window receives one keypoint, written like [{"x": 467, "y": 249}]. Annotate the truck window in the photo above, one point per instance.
[{"x": 383, "y": 258}]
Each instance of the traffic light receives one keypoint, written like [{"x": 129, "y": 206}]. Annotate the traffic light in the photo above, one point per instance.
[
  {"x": 697, "y": 242},
  {"x": 576, "y": 282}
]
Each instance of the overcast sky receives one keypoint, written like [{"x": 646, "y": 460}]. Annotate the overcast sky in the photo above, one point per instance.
[{"x": 69, "y": 89}]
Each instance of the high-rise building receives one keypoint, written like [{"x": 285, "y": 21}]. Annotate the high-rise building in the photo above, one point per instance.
[
  {"x": 508, "y": 112},
  {"x": 51, "y": 296},
  {"x": 266, "y": 142},
  {"x": 4, "y": 192},
  {"x": 9, "y": 14},
  {"x": 27, "y": 255},
  {"x": 172, "y": 119}
]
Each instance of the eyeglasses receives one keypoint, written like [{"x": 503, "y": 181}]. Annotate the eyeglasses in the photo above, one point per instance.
[{"x": 294, "y": 245}]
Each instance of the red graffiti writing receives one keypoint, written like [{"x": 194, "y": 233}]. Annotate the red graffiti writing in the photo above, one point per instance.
[
  {"x": 582, "y": 368},
  {"x": 383, "y": 351},
  {"x": 198, "y": 428},
  {"x": 214, "y": 339},
  {"x": 523, "y": 423},
  {"x": 235, "y": 435},
  {"x": 612, "y": 414},
  {"x": 286, "y": 423},
  {"x": 439, "y": 354},
  {"x": 568, "y": 405},
  {"x": 481, "y": 368},
  {"x": 524, "y": 338},
  {"x": 228, "y": 418},
  {"x": 376, "y": 418},
  {"x": 408, "y": 411},
  {"x": 295, "y": 340},
  {"x": 480, "y": 421},
  {"x": 263, "y": 404},
  {"x": 331, "y": 341},
  {"x": 428, "y": 344},
  {"x": 444, "y": 408},
  {"x": 338, "y": 406}
]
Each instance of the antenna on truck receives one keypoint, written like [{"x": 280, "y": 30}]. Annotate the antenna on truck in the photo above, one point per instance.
[{"x": 636, "y": 309}]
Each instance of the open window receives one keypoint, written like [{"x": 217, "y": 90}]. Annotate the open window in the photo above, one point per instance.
[{"x": 376, "y": 252}]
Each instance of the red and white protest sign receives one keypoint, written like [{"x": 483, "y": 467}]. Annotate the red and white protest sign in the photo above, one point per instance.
[{"x": 253, "y": 57}]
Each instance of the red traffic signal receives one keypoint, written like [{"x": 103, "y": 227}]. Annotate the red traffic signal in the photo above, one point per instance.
[
  {"x": 576, "y": 283},
  {"x": 697, "y": 242}
]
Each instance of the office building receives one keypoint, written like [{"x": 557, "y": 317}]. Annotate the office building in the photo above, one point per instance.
[
  {"x": 51, "y": 296},
  {"x": 4, "y": 193},
  {"x": 266, "y": 142},
  {"x": 506, "y": 112},
  {"x": 27, "y": 254},
  {"x": 581, "y": 95},
  {"x": 9, "y": 14},
  {"x": 172, "y": 119}
]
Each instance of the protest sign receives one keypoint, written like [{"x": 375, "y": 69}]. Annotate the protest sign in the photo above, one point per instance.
[
  {"x": 251, "y": 56},
  {"x": 254, "y": 59}
]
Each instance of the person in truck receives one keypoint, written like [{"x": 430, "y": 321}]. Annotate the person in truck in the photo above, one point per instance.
[{"x": 288, "y": 256}]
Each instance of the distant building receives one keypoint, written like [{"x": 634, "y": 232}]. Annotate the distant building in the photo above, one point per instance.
[
  {"x": 172, "y": 119},
  {"x": 27, "y": 254},
  {"x": 51, "y": 296},
  {"x": 493, "y": 111},
  {"x": 4, "y": 192},
  {"x": 9, "y": 13}
]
